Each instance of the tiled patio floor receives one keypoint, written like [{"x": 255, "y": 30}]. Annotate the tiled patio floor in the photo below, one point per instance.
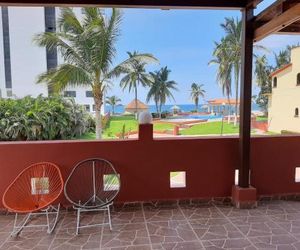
[{"x": 273, "y": 225}]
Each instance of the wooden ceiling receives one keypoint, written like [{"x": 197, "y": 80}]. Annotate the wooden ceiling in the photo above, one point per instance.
[
  {"x": 231, "y": 4},
  {"x": 282, "y": 17}
]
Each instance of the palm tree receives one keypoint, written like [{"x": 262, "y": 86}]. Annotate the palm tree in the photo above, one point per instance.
[
  {"x": 113, "y": 101},
  {"x": 154, "y": 92},
  {"x": 223, "y": 76},
  {"x": 136, "y": 73},
  {"x": 87, "y": 46},
  {"x": 282, "y": 58},
  {"x": 233, "y": 29},
  {"x": 262, "y": 70},
  {"x": 227, "y": 54},
  {"x": 161, "y": 88},
  {"x": 264, "y": 81},
  {"x": 196, "y": 92}
]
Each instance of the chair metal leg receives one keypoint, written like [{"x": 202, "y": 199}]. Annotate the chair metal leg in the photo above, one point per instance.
[
  {"x": 56, "y": 212},
  {"x": 109, "y": 218},
  {"x": 78, "y": 221},
  {"x": 18, "y": 228},
  {"x": 48, "y": 223},
  {"x": 105, "y": 208}
]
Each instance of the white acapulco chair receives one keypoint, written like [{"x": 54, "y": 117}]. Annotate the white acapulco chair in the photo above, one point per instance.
[{"x": 92, "y": 186}]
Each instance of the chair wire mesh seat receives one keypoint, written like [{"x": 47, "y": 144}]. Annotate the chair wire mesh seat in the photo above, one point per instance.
[
  {"x": 92, "y": 186},
  {"x": 33, "y": 193}
]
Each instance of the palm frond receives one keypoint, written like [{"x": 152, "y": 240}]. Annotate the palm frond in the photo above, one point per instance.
[
  {"x": 68, "y": 22},
  {"x": 65, "y": 75}
]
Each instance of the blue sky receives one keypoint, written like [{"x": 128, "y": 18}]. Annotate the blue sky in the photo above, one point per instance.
[{"x": 183, "y": 40}]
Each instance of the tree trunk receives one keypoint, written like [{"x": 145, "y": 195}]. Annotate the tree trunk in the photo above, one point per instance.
[
  {"x": 160, "y": 110},
  {"x": 136, "y": 105},
  {"x": 196, "y": 102},
  {"x": 229, "y": 110},
  {"x": 113, "y": 109},
  {"x": 156, "y": 104},
  {"x": 237, "y": 74},
  {"x": 98, "y": 104}
]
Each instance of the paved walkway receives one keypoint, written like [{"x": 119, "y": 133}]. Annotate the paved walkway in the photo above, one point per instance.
[{"x": 273, "y": 225}]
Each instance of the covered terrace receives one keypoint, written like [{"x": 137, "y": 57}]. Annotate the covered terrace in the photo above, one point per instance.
[{"x": 206, "y": 212}]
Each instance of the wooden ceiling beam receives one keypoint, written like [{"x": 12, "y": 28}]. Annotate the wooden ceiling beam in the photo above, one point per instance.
[
  {"x": 293, "y": 29},
  {"x": 221, "y": 4},
  {"x": 253, "y": 3},
  {"x": 288, "y": 16}
]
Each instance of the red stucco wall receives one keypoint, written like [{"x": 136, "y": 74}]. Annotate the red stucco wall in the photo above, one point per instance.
[
  {"x": 144, "y": 164},
  {"x": 274, "y": 160}
]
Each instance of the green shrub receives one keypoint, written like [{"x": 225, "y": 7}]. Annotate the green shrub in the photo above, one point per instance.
[
  {"x": 42, "y": 118},
  {"x": 155, "y": 115},
  {"x": 165, "y": 114}
]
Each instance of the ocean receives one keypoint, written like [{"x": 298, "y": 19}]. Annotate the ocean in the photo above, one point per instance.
[{"x": 184, "y": 107}]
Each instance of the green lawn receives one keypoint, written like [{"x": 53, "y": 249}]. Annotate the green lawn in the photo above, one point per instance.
[
  {"x": 261, "y": 118},
  {"x": 162, "y": 126},
  {"x": 210, "y": 128},
  {"x": 115, "y": 126},
  {"x": 116, "y": 123},
  {"x": 87, "y": 136}
]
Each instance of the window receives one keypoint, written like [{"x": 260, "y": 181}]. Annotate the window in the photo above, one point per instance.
[
  {"x": 94, "y": 107},
  {"x": 70, "y": 94},
  {"x": 296, "y": 112},
  {"x": 275, "y": 82},
  {"x": 111, "y": 182},
  {"x": 297, "y": 174},
  {"x": 236, "y": 177},
  {"x": 298, "y": 79},
  {"x": 87, "y": 107},
  {"x": 177, "y": 179},
  {"x": 88, "y": 93},
  {"x": 40, "y": 185}
]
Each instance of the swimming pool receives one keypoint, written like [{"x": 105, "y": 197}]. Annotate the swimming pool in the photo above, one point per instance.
[{"x": 196, "y": 117}]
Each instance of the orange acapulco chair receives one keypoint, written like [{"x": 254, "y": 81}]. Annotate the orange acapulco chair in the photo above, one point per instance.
[{"x": 32, "y": 193}]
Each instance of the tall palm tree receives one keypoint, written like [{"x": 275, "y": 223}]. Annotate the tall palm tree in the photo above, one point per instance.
[
  {"x": 233, "y": 29},
  {"x": 136, "y": 73},
  {"x": 224, "y": 71},
  {"x": 227, "y": 54},
  {"x": 264, "y": 81},
  {"x": 196, "y": 92},
  {"x": 161, "y": 88},
  {"x": 113, "y": 101},
  {"x": 262, "y": 70},
  {"x": 154, "y": 92},
  {"x": 88, "y": 48}
]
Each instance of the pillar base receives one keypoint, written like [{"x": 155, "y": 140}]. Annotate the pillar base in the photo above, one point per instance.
[{"x": 244, "y": 197}]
